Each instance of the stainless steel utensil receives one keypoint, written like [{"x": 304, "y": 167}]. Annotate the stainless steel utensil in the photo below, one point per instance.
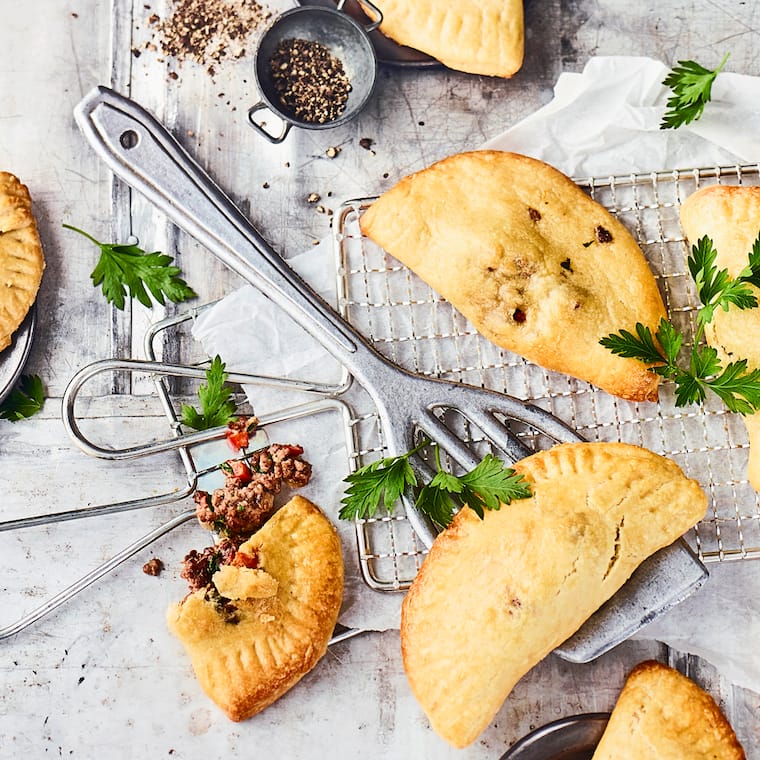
[
  {"x": 140, "y": 151},
  {"x": 571, "y": 738},
  {"x": 181, "y": 442}
]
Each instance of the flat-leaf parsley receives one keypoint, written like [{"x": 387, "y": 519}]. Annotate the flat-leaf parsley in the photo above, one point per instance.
[
  {"x": 217, "y": 408},
  {"x": 692, "y": 89},
  {"x": 736, "y": 385},
  {"x": 487, "y": 486},
  {"x": 127, "y": 268}
]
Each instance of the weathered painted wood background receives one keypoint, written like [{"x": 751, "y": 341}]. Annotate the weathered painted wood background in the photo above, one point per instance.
[{"x": 101, "y": 677}]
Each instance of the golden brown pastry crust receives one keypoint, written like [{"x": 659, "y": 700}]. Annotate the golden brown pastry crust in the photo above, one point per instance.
[
  {"x": 484, "y": 37},
  {"x": 21, "y": 259},
  {"x": 730, "y": 217},
  {"x": 535, "y": 264},
  {"x": 246, "y": 665},
  {"x": 663, "y": 715},
  {"x": 495, "y": 596}
]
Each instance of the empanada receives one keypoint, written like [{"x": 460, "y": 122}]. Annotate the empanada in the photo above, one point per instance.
[
  {"x": 730, "y": 217},
  {"x": 495, "y": 596},
  {"x": 535, "y": 264},
  {"x": 247, "y": 652},
  {"x": 663, "y": 715},
  {"x": 483, "y": 37},
  {"x": 21, "y": 258}
]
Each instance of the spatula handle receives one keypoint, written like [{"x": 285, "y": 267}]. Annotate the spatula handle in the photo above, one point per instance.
[{"x": 140, "y": 151}]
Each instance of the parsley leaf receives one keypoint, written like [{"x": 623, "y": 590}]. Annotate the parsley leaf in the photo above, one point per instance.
[
  {"x": 25, "y": 400},
  {"x": 738, "y": 389},
  {"x": 692, "y": 88},
  {"x": 490, "y": 484},
  {"x": 216, "y": 406},
  {"x": 434, "y": 499},
  {"x": 715, "y": 287},
  {"x": 640, "y": 346},
  {"x": 736, "y": 385},
  {"x": 384, "y": 480},
  {"x": 486, "y": 486},
  {"x": 123, "y": 268}
]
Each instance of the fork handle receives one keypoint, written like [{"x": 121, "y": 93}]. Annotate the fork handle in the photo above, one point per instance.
[{"x": 140, "y": 151}]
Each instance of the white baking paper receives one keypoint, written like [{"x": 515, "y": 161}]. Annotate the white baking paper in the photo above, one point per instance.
[{"x": 603, "y": 121}]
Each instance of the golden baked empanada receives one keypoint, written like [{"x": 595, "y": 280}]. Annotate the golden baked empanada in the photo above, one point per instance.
[
  {"x": 21, "y": 259},
  {"x": 730, "y": 217},
  {"x": 247, "y": 652},
  {"x": 495, "y": 596},
  {"x": 663, "y": 715},
  {"x": 535, "y": 264},
  {"x": 483, "y": 37}
]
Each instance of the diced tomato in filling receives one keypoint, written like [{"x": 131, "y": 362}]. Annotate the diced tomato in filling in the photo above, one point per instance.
[
  {"x": 239, "y": 469},
  {"x": 241, "y": 559},
  {"x": 238, "y": 439}
]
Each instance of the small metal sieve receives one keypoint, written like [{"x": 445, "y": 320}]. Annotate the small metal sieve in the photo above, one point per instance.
[{"x": 345, "y": 39}]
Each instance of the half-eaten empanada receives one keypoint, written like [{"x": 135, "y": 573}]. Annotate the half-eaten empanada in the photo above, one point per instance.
[{"x": 268, "y": 616}]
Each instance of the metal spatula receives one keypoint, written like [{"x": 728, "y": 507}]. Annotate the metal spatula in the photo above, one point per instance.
[{"x": 141, "y": 152}]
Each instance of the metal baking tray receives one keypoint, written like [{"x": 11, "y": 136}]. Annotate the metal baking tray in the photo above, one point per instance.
[
  {"x": 13, "y": 359},
  {"x": 419, "y": 330}
]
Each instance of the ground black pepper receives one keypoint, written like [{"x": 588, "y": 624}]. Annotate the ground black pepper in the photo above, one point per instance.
[
  {"x": 309, "y": 80},
  {"x": 208, "y": 31}
]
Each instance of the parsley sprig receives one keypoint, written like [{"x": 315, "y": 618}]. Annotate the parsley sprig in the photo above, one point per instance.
[
  {"x": 692, "y": 89},
  {"x": 127, "y": 268},
  {"x": 736, "y": 385},
  {"x": 216, "y": 406},
  {"x": 487, "y": 486},
  {"x": 25, "y": 400}
]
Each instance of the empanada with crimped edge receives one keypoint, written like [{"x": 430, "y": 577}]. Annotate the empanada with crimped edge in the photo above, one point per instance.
[
  {"x": 483, "y": 37},
  {"x": 535, "y": 264},
  {"x": 663, "y": 715},
  {"x": 21, "y": 258},
  {"x": 249, "y": 654},
  {"x": 495, "y": 596},
  {"x": 730, "y": 217}
]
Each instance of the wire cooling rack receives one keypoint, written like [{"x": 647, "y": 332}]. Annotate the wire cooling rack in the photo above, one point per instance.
[{"x": 417, "y": 329}]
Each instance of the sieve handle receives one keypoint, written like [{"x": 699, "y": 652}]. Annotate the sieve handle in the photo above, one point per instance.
[
  {"x": 377, "y": 14},
  {"x": 261, "y": 128}
]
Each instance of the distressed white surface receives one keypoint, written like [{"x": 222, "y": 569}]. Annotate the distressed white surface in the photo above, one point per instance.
[{"x": 101, "y": 677}]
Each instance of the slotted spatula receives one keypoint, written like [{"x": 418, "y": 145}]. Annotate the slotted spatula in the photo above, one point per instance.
[{"x": 140, "y": 151}]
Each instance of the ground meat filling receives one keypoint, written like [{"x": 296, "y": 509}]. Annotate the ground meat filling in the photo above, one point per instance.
[
  {"x": 199, "y": 567},
  {"x": 239, "y": 509},
  {"x": 246, "y": 501}
]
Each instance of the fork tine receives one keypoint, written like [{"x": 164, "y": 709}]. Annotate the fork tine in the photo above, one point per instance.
[
  {"x": 497, "y": 433},
  {"x": 446, "y": 439}
]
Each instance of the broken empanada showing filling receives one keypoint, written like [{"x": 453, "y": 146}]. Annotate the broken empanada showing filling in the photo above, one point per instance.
[{"x": 260, "y": 615}]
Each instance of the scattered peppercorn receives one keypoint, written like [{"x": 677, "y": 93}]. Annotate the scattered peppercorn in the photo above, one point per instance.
[
  {"x": 366, "y": 143},
  {"x": 206, "y": 31},
  {"x": 534, "y": 214},
  {"x": 309, "y": 80}
]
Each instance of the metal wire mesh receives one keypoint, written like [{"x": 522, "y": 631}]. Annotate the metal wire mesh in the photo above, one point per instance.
[{"x": 417, "y": 329}]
